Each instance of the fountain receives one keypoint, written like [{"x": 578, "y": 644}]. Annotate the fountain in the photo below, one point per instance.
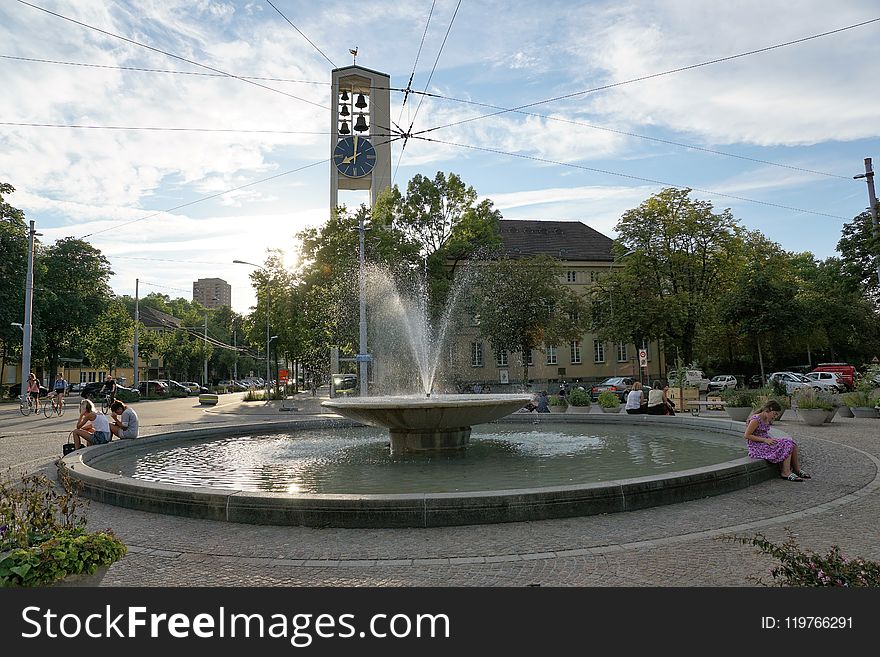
[
  {"x": 328, "y": 472},
  {"x": 426, "y": 421}
]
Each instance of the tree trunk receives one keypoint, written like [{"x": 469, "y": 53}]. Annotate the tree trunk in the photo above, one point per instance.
[{"x": 761, "y": 361}]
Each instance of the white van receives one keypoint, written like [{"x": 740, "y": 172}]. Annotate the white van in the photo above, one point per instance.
[{"x": 697, "y": 379}]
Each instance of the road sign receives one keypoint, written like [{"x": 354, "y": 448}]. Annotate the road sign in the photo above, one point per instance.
[
  {"x": 282, "y": 376},
  {"x": 643, "y": 357}
]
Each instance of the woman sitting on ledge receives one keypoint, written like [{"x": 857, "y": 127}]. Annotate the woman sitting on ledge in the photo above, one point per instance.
[{"x": 776, "y": 450}]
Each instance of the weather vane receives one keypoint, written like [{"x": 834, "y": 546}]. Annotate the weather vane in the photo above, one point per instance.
[{"x": 354, "y": 54}]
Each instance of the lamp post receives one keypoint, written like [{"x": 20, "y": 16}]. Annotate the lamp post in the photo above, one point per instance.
[
  {"x": 611, "y": 300},
  {"x": 268, "y": 339},
  {"x": 27, "y": 327}
]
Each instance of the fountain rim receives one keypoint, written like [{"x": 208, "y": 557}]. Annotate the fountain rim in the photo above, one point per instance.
[
  {"x": 421, "y": 402},
  {"x": 414, "y": 509}
]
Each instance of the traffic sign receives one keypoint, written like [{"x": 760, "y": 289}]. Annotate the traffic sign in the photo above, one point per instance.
[{"x": 643, "y": 357}]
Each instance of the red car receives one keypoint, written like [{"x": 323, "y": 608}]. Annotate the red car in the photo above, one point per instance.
[{"x": 845, "y": 372}]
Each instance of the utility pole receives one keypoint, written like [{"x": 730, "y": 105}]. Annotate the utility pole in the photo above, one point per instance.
[
  {"x": 206, "y": 350},
  {"x": 872, "y": 199},
  {"x": 235, "y": 363},
  {"x": 137, "y": 320},
  {"x": 27, "y": 329},
  {"x": 363, "y": 363}
]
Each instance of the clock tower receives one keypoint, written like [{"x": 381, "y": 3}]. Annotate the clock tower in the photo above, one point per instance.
[{"x": 360, "y": 132}]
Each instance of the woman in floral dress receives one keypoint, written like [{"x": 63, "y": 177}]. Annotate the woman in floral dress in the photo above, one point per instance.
[{"x": 776, "y": 450}]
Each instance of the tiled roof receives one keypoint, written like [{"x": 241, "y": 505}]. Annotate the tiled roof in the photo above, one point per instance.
[{"x": 566, "y": 240}]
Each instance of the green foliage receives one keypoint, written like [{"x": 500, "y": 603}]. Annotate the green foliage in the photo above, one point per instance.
[
  {"x": 556, "y": 400},
  {"x": 859, "y": 247},
  {"x": 523, "y": 305},
  {"x": 739, "y": 398},
  {"x": 110, "y": 336},
  {"x": 799, "y": 567},
  {"x": 763, "y": 395},
  {"x": 66, "y": 553},
  {"x": 13, "y": 265},
  {"x": 608, "y": 399},
  {"x": 859, "y": 399},
  {"x": 127, "y": 396},
  {"x": 807, "y": 398},
  {"x": 43, "y": 537},
  {"x": 578, "y": 397}
]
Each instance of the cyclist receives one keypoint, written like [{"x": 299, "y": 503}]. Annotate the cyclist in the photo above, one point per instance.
[
  {"x": 109, "y": 389},
  {"x": 59, "y": 388},
  {"x": 33, "y": 391}
]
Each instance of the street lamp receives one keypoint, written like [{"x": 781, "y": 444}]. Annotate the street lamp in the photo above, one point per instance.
[
  {"x": 268, "y": 339},
  {"x": 611, "y": 300}
]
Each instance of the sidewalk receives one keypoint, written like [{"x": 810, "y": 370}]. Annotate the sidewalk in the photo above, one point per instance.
[{"x": 676, "y": 545}]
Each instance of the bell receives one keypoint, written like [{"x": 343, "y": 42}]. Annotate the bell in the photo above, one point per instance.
[
  {"x": 344, "y": 95},
  {"x": 361, "y": 124},
  {"x": 344, "y": 129},
  {"x": 345, "y": 111},
  {"x": 361, "y": 102}
]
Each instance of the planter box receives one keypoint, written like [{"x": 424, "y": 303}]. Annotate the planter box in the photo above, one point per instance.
[
  {"x": 558, "y": 409},
  {"x": 691, "y": 394},
  {"x": 813, "y": 416},
  {"x": 844, "y": 411},
  {"x": 863, "y": 411},
  {"x": 84, "y": 579},
  {"x": 616, "y": 409},
  {"x": 829, "y": 415},
  {"x": 208, "y": 399},
  {"x": 739, "y": 413},
  {"x": 578, "y": 409}
]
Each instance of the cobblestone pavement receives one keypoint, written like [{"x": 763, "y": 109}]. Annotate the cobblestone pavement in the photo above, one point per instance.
[{"x": 687, "y": 544}]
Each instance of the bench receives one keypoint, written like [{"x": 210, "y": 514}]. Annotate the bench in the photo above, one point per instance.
[{"x": 695, "y": 406}]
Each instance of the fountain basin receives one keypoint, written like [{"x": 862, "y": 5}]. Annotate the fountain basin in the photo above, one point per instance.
[
  {"x": 438, "y": 422},
  {"x": 418, "y": 509}
]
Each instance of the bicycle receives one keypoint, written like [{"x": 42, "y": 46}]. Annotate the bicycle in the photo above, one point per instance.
[
  {"x": 105, "y": 404},
  {"x": 29, "y": 405},
  {"x": 53, "y": 406}
]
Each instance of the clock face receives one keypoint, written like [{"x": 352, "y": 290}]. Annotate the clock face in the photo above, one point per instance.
[{"x": 354, "y": 156}]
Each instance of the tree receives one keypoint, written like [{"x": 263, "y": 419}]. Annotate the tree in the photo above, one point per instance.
[
  {"x": 74, "y": 288},
  {"x": 522, "y": 304},
  {"x": 109, "y": 338},
  {"x": 859, "y": 248},
  {"x": 681, "y": 249},
  {"x": 13, "y": 267}
]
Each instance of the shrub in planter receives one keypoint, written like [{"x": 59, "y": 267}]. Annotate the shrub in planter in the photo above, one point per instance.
[
  {"x": 861, "y": 403},
  {"x": 763, "y": 395},
  {"x": 578, "y": 399},
  {"x": 43, "y": 537},
  {"x": 739, "y": 402},
  {"x": 558, "y": 404},
  {"x": 812, "y": 407},
  {"x": 799, "y": 567},
  {"x": 609, "y": 402}
]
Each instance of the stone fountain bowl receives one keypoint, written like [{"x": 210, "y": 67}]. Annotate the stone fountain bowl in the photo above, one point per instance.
[{"x": 427, "y": 423}]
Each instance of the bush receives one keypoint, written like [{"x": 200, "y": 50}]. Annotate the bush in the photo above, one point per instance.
[
  {"x": 127, "y": 395},
  {"x": 739, "y": 397},
  {"x": 43, "y": 537},
  {"x": 556, "y": 400},
  {"x": 799, "y": 567},
  {"x": 807, "y": 398},
  {"x": 608, "y": 399},
  {"x": 858, "y": 398},
  {"x": 579, "y": 397}
]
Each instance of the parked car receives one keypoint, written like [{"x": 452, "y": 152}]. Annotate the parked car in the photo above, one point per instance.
[
  {"x": 619, "y": 385},
  {"x": 845, "y": 372},
  {"x": 791, "y": 380},
  {"x": 755, "y": 381},
  {"x": 232, "y": 385},
  {"x": 723, "y": 382},
  {"x": 194, "y": 388},
  {"x": 153, "y": 389},
  {"x": 829, "y": 381},
  {"x": 175, "y": 388},
  {"x": 127, "y": 395},
  {"x": 15, "y": 390},
  {"x": 90, "y": 390}
]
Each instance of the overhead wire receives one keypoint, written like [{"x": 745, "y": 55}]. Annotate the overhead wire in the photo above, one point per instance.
[
  {"x": 625, "y": 175},
  {"x": 301, "y": 33},
  {"x": 653, "y": 75},
  {"x": 159, "y": 70},
  {"x": 204, "y": 198},
  {"x": 160, "y": 128},
  {"x": 427, "y": 84},
  {"x": 170, "y": 54}
]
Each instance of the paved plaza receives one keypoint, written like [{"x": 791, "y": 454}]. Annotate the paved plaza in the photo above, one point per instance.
[{"x": 685, "y": 544}]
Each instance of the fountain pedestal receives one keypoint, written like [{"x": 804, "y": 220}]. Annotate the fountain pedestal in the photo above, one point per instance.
[
  {"x": 418, "y": 424},
  {"x": 409, "y": 440}
]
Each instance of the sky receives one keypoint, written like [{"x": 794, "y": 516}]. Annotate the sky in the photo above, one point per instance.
[{"x": 776, "y": 135}]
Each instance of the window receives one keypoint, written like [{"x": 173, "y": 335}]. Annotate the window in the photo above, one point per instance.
[
  {"x": 531, "y": 360},
  {"x": 82, "y": 377},
  {"x": 551, "y": 355},
  {"x": 476, "y": 354},
  {"x": 598, "y": 352},
  {"x": 501, "y": 357},
  {"x": 575, "y": 352},
  {"x": 475, "y": 319},
  {"x": 574, "y": 316},
  {"x": 91, "y": 377},
  {"x": 571, "y": 276},
  {"x": 622, "y": 353},
  {"x": 102, "y": 376}
]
